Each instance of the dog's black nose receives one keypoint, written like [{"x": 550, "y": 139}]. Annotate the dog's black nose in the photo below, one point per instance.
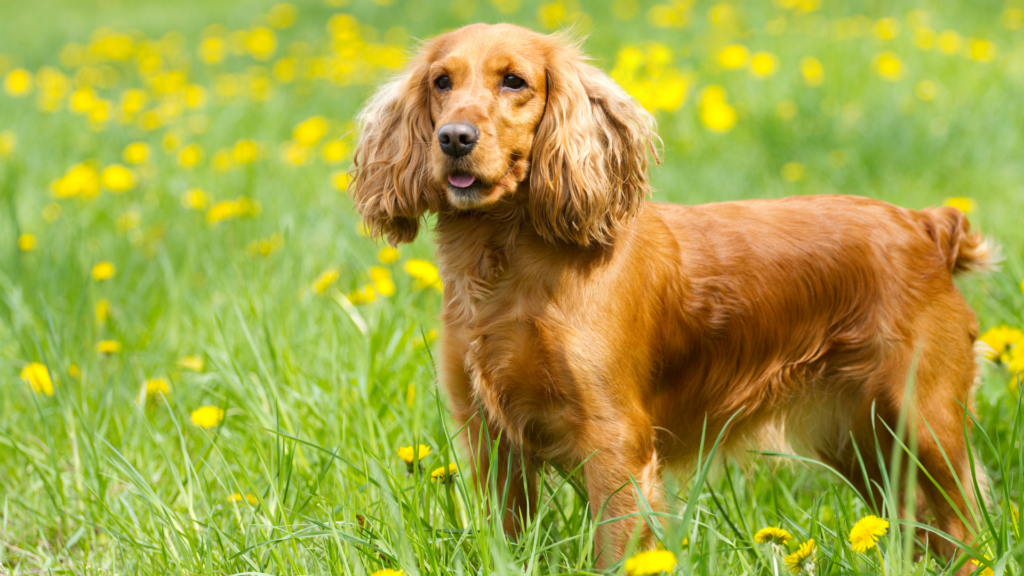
[{"x": 457, "y": 139}]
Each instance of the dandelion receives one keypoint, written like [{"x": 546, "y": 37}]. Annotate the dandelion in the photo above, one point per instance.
[
  {"x": 79, "y": 180},
  {"x": 949, "y": 42},
  {"x": 865, "y": 533},
  {"x": 18, "y": 82},
  {"x": 261, "y": 43},
  {"x": 156, "y": 386},
  {"x": 715, "y": 113},
  {"x": 733, "y": 56},
  {"x": 424, "y": 272},
  {"x": 981, "y": 50},
  {"x": 334, "y": 151},
  {"x": 249, "y": 497},
  {"x": 207, "y": 416},
  {"x": 245, "y": 151},
  {"x": 136, "y": 153},
  {"x": 103, "y": 271},
  {"x": 413, "y": 454},
  {"x": 102, "y": 310},
  {"x": 444, "y": 474},
  {"x": 340, "y": 180},
  {"x": 74, "y": 371},
  {"x": 364, "y": 295},
  {"x": 282, "y": 15},
  {"x": 190, "y": 156},
  {"x": 888, "y": 66},
  {"x": 117, "y": 178},
  {"x": 772, "y": 535},
  {"x": 310, "y": 131},
  {"x": 194, "y": 199},
  {"x": 212, "y": 50},
  {"x": 887, "y": 28},
  {"x": 388, "y": 255},
  {"x": 193, "y": 363},
  {"x": 38, "y": 377},
  {"x": 965, "y": 205},
  {"x": 325, "y": 280},
  {"x": 382, "y": 280},
  {"x": 812, "y": 71},
  {"x": 651, "y": 562},
  {"x": 26, "y": 242},
  {"x": 793, "y": 172},
  {"x": 1013, "y": 18},
  {"x": 763, "y": 64},
  {"x": 108, "y": 346},
  {"x": 803, "y": 559},
  {"x": 388, "y": 572}
]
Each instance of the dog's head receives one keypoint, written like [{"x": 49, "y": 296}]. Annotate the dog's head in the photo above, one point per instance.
[{"x": 490, "y": 114}]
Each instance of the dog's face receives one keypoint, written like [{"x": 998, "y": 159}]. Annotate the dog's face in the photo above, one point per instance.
[
  {"x": 488, "y": 90},
  {"x": 485, "y": 114}
]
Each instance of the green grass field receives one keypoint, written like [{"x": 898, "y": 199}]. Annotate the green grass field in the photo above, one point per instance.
[{"x": 174, "y": 235}]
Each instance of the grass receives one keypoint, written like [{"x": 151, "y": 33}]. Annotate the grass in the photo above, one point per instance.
[{"x": 319, "y": 392}]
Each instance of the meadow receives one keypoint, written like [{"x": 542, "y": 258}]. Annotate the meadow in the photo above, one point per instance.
[{"x": 206, "y": 367}]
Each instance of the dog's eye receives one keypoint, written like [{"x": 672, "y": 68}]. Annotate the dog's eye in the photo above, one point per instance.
[
  {"x": 513, "y": 82},
  {"x": 443, "y": 83}
]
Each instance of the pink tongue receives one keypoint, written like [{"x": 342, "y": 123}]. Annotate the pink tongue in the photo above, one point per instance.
[{"x": 461, "y": 180}]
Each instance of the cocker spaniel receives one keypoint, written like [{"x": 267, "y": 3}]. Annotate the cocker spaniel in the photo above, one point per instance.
[{"x": 585, "y": 326}]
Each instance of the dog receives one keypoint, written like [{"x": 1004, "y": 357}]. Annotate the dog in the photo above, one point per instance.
[{"x": 586, "y": 326}]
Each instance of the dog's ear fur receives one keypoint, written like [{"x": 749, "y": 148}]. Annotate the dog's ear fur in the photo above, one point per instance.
[
  {"x": 390, "y": 182},
  {"x": 588, "y": 172}
]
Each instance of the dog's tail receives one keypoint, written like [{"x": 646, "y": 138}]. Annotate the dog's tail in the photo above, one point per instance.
[{"x": 963, "y": 251}]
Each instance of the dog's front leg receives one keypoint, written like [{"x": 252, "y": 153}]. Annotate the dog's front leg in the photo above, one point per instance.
[{"x": 614, "y": 501}]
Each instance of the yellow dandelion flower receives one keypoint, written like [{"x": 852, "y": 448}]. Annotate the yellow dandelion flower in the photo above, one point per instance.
[
  {"x": 887, "y": 28},
  {"x": 388, "y": 572},
  {"x": 865, "y": 533},
  {"x": 8, "y": 142},
  {"x": 26, "y": 242},
  {"x": 236, "y": 497},
  {"x": 444, "y": 474},
  {"x": 763, "y": 64},
  {"x": 1001, "y": 338},
  {"x": 388, "y": 255},
  {"x": 102, "y": 310},
  {"x": 193, "y": 363},
  {"x": 652, "y": 562},
  {"x": 812, "y": 71},
  {"x": 425, "y": 273},
  {"x": 74, "y": 371},
  {"x": 888, "y": 66},
  {"x": 18, "y": 82},
  {"x": 212, "y": 50},
  {"x": 79, "y": 180},
  {"x": 190, "y": 156},
  {"x": 965, "y": 205},
  {"x": 733, "y": 56},
  {"x": 340, "y": 180},
  {"x": 103, "y": 271},
  {"x": 136, "y": 153},
  {"x": 194, "y": 199},
  {"x": 311, "y": 130},
  {"x": 799, "y": 559},
  {"x": 411, "y": 454},
  {"x": 261, "y": 43},
  {"x": 282, "y": 15},
  {"x": 38, "y": 377},
  {"x": 772, "y": 535},
  {"x": 382, "y": 280},
  {"x": 108, "y": 346},
  {"x": 949, "y": 42},
  {"x": 364, "y": 295},
  {"x": 117, "y": 178},
  {"x": 207, "y": 416},
  {"x": 986, "y": 571},
  {"x": 981, "y": 50},
  {"x": 156, "y": 386},
  {"x": 325, "y": 280},
  {"x": 793, "y": 171},
  {"x": 334, "y": 151},
  {"x": 245, "y": 151},
  {"x": 1013, "y": 18}
]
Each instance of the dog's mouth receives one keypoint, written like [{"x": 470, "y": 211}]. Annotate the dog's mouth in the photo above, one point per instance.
[{"x": 461, "y": 182}]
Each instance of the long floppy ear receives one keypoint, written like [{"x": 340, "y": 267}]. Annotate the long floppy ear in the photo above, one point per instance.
[
  {"x": 589, "y": 161},
  {"x": 391, "y": 171}
]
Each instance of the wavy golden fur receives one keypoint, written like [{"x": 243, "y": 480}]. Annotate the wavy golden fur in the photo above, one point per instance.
[{"x": 589, "y": 327}]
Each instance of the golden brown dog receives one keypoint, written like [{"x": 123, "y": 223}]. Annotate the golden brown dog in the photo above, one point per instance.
[{"x": 589, "y": 327}]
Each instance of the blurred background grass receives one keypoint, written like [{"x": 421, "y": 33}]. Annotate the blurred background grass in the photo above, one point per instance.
[{"x": 199, "y": 148}]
